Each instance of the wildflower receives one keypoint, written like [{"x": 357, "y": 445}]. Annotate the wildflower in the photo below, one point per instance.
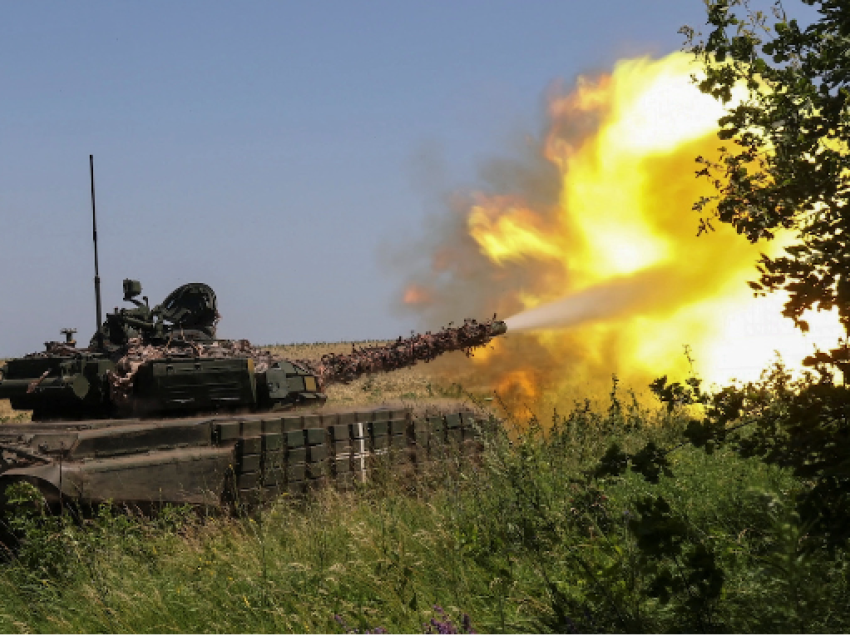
[
  {"x": 467, "y": 624},
  {"x": 339, "y": 619},
  {"x": 443, "y": 624}
]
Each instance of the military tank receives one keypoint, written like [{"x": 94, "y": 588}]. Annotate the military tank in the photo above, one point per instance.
[{"x": 158, "y": 409}]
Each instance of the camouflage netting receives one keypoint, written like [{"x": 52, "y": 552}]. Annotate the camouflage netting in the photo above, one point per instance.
[
  {"x": 404, "y": 352},
  {"x": 330, "y": 369},
  {"x": 138, "y": 353}
]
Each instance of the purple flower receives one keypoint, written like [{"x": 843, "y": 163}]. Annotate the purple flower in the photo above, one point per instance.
[
  {"x": 444, "y": 625},
  {"x": 467, "y": 624}
]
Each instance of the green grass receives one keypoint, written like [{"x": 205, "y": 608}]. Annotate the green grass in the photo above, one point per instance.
[{"x": 527, "y": 541}]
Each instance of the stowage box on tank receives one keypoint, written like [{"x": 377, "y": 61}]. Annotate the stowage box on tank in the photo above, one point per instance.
[{"x": 209, "y": 461}]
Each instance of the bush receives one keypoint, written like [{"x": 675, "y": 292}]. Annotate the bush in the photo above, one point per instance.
[{"x": 704, "y": 515}]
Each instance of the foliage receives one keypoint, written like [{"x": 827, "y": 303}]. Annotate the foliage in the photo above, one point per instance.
[
  {"x": 602, "y": 519},
  {"x": 802, "y": 425},
  {"x": 788, "y": 165}
]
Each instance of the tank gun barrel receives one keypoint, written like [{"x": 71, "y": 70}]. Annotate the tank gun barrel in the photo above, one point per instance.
[
  {"x": 405, "y": 352},
  {"x": 498, "y": 327}
]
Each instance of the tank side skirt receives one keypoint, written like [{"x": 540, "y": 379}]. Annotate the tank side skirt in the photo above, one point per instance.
[{"x": 235, "y": 459}]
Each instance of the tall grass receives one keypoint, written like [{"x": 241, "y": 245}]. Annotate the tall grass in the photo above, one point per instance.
[{"x": 534, "y": 538}]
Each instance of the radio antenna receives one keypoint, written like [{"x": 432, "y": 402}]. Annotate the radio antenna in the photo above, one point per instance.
[{"x": 99, "y": 332}]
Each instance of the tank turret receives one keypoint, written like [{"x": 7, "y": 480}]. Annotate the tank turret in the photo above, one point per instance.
[{"x": 167, "y": 361}]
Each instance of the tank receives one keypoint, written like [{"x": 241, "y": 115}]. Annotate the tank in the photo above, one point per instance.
[{"x": 157, "y": 409}]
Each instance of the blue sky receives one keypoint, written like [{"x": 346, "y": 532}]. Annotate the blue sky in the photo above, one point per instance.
[{"x": 275, "y": 150}]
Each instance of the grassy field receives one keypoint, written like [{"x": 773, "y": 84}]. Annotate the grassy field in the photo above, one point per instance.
[
  {"x": 6, "y": 411},
  {"x": 599, "y": 519}
]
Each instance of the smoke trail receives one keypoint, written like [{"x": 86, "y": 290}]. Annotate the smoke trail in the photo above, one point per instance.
[
  {"x": 598, "y": 303},
  {"x": 651, "y": 292}
]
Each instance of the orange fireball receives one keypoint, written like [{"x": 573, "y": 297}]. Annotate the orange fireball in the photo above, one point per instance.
[{"x": 594, "y": 247}]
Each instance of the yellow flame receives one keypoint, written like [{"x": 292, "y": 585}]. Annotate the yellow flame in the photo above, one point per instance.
[
  {"x": 509, "y": 233},
  {"x": 625, "y": 211},
  {"x": 518, "y": 384}
]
